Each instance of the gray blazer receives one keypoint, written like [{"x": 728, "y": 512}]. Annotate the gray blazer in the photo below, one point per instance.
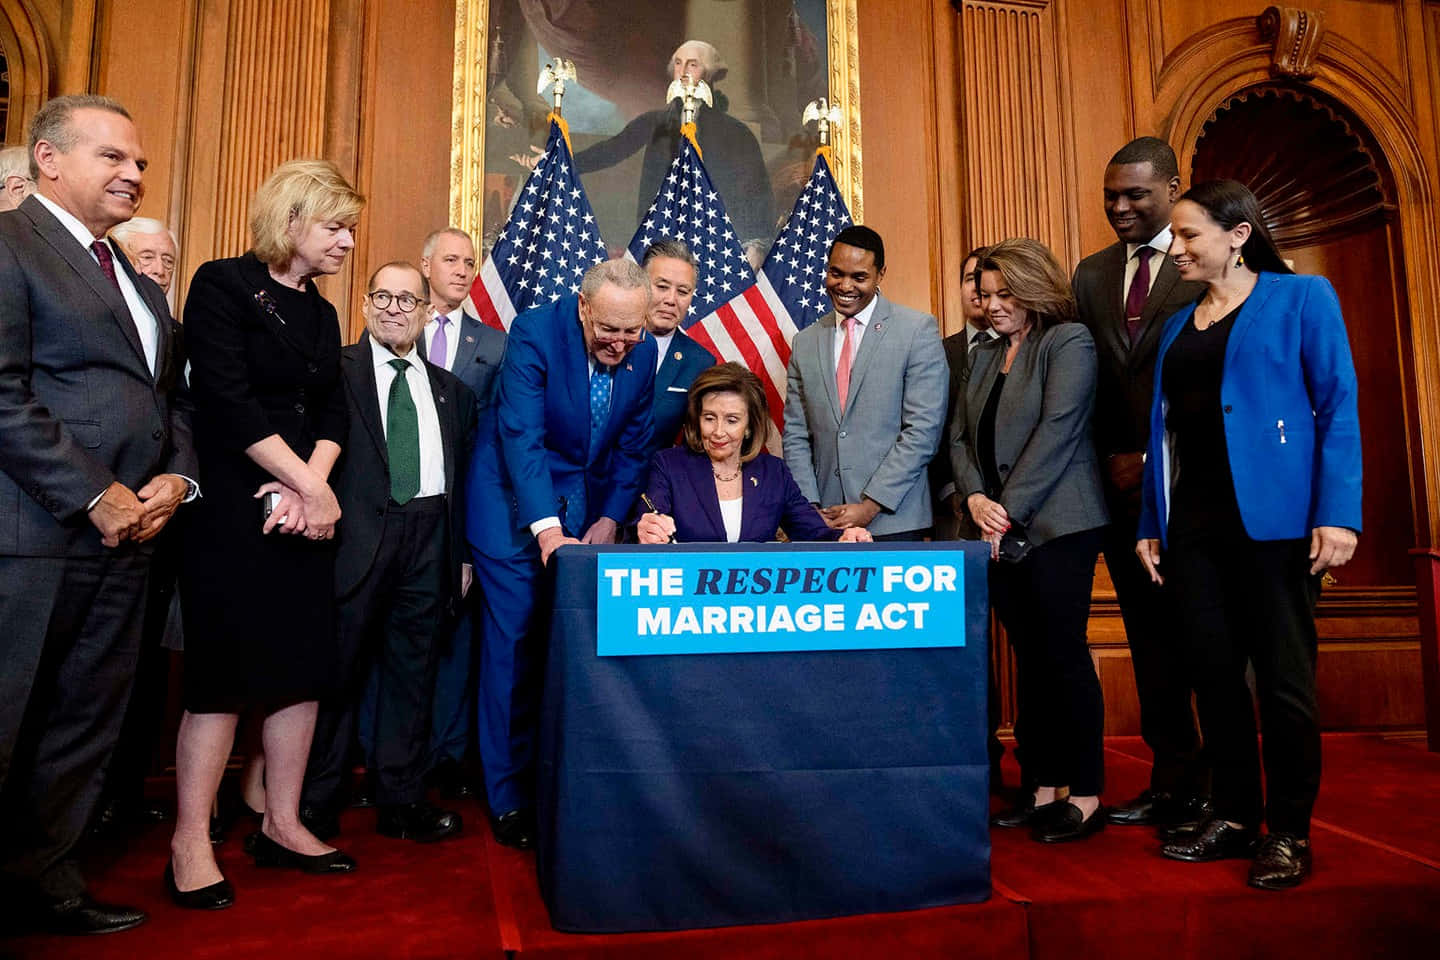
[
  {"x": 882, "y": 445},
  {"x": 79, "y": 406},
  {"x": 1044, "y": 442}
]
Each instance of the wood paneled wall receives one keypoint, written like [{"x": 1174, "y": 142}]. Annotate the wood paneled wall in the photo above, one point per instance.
[{"x": 981, "y": 118}]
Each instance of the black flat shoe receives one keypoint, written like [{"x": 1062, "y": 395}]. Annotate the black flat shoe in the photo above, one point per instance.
[
  {"x": 1068, "y": 823},
  {"x": 1217, "y": 840},
  {"x": 268, "y": 853},
  {"x": 82, "y": 916},
  {"x": 1282, "y": 862},
  {"x": 515, "y": 828},
  {"x": 1026, "y": 814},
  {"x": 1151, "y": 806},
  {"x": 217, "y": 896},
  {"x": 420, "y": 822}
]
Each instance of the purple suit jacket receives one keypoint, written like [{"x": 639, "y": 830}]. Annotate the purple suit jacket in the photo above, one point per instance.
[{"x": 682, "y": 484}]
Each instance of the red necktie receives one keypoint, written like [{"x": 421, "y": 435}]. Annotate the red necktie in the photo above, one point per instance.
[
  {"x": 1139, "y": 291},
  {"x": 842, "y": 369},
  {"x": 107, "y": 263}
]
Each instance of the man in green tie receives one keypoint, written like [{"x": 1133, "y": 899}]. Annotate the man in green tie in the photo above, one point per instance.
[{"x": 400, "y": 568}]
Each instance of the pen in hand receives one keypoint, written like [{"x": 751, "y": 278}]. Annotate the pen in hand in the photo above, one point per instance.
[{"x": 650, "y": 505}]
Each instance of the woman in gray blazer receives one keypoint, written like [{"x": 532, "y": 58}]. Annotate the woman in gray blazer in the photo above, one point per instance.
[{"x": 1024, "y": 460}]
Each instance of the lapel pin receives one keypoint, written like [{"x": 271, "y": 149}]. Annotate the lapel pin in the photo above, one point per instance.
[
  {"x": 879, "y": 327},
  {"x": 469, "y": 338},
  {"x": 754, "y": 482},
  {"x": 628, "y": 367},
  {"x": 442, "y": 398}
]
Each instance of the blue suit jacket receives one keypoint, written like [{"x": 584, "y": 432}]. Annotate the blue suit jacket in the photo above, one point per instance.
[
  {"x": 534, "y": 458},
  {"x": 682, "y": 484},
  {"x": 683, "y": 362},
  {"x": 1292, "y": 425}
]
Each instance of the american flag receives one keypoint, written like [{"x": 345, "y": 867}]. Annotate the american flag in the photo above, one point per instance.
[
  {"x": 548, "y": 243},
  {"x": 756, "y": 326}
]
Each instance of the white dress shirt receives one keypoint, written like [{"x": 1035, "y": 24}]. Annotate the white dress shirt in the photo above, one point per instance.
[
  {"x": 452, "y": 338},
  {"x": 1159, "y": 246},
  {"x": 862, "y": 320},
  {"x": 662, "y": 347},
  {"x": 432, "y": 448},
  {"x": 970, "y": 342},
  {"x": 140, "y": 315}
]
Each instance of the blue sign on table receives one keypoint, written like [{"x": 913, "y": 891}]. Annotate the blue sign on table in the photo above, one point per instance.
[{"x": 670, "y": 602}]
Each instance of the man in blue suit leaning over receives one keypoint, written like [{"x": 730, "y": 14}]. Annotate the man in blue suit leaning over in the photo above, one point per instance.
[
  {"x": 560, "y": 459},
  {"x": 671, "y": 268}
]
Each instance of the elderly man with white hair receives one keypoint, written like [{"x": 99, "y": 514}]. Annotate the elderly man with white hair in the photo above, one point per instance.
[
  {"x": 732, "y": 154},
  {"x": 16, "y": 181},
  {"x": 151, "y": 247}
]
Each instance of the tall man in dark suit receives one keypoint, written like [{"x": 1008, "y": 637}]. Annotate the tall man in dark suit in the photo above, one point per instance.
[
  {"x": 401, "y": 563},
  {"x": 95, "y": 453},
  {"x": 561, "y": 454},
  {"x": 1124, "y": 294},
  {"x": 457, "y": 341},
  {"x": 671, "y": 267}
]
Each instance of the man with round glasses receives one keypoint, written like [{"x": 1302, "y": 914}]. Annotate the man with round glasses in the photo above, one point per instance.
[
  {"x": 400, "y": 566},
  {"x": 561, "y": 456}
]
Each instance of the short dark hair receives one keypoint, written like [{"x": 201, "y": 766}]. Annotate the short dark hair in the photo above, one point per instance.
[
  {"x": 52, "y": 122},
  {"x": 977, "y": 255},
  {"x": 865, "y": 239},
  {"x": 729, "y": 378},
  {"x": 1152, "y": 150},
  {"x": 404, "y": 265},
  {"x": 1230, "y": 203},
  {"x": 669, "y": 247}
]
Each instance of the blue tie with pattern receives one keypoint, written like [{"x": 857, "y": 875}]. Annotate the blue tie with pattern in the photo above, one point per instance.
[{"x": 600, "y": 381}]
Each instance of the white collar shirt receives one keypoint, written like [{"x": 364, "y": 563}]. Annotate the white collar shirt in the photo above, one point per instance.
[
  {"x": 862, "y": 322},
  {"x": 970, "y": 336},
  {"x": 662, "y": 347},
  {"x": 1159, "y": 247},
  {"x": 432, "y": 448}
]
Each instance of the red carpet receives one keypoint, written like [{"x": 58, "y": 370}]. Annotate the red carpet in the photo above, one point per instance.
[{"x": 1375, "y": 893}]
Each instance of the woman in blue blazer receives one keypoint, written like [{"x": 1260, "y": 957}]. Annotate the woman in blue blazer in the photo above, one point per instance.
[
  {"x": 721, "y": 486},
  {"x": 1252, "y": 490}
]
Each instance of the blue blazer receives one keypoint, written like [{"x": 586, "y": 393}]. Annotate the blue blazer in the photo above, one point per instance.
[
  {"x": 534, "y": 458},
  {"x": 682, "y": 484},
  {"x": 1292, "y": 425},
  {"x": 683, "y": 362}
]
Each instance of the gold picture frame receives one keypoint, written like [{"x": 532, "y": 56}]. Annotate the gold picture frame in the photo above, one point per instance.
[{"x": 468, "y": 108}]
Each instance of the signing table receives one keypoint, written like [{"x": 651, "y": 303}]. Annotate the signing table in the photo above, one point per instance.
[{"x": 763, "y": 733}]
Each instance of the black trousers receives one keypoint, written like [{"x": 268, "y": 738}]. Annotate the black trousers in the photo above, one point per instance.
[
  {"x": 1044, "y": 603},
  {"x": 69, "y": 639},
  {"x": 1238, "y": 600},
  {"x": 1162, "y": 682},
  {"x": 392, "y": 621}
]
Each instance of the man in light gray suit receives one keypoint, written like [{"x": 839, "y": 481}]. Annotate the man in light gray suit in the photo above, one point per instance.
[
  {"x": 865, "y": 400},
  {"x": 95, "y": 456}
]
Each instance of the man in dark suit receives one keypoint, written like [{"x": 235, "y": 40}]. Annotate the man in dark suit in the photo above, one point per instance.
[
  {"x": 1124, "y": 294},
  {"x": 401, "y": 559},
  {"x": 952, "y": 522},
  {"x": 671, "y": 267},
  {"x": 95, "y": 456},
  {"x": 457, "y": 341},
  {"x": 561, "y": 453}
]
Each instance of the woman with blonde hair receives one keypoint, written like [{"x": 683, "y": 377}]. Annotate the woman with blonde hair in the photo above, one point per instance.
[
  {"x": 1023, "y": 453},
  {"x": 257, "y": 578}
]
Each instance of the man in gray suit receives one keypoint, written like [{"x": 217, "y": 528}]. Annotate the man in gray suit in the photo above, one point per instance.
[
  {"x": 457, "y": 341},
  {"x": 1124, "y": 294},
  {"x": 865, "y": 400},
  {"x": 95, "y": 454}
]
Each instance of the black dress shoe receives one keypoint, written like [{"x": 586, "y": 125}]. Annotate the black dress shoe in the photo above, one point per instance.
[
  {"x": 1026, "y": 813},
  {"x": 515, "y": 828},
  {"x": 268, "y": 853},
  {"x": 217, "y": 896},
  {"x": 1069, "y": 823},
  {"x": 1188, "y": 817},
  {"x": 1217, "y": 840},
  {"x": 420, "y": 822},
  {"x": 82, "y": 916},
  {"x": 322, "y": 824},
  {"x": 1282, "y": 862},
  {"x": 1151, "y": 806}
]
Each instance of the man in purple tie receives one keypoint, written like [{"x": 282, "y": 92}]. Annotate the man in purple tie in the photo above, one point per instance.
[
  {"x": 1124, "y": 294},
  {"x": 95, "y": 456}
]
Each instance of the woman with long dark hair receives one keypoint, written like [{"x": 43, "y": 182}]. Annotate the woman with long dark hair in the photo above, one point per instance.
[{"x": 1252, "y": 490}]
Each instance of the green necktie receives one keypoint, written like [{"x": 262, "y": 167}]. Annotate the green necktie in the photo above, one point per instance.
[{"x": 403, "y": 438}]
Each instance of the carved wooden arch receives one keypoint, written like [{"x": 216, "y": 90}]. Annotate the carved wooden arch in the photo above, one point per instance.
[
  {"x": 1220, "y": 63},
  {"x": 27, "y": 49}
]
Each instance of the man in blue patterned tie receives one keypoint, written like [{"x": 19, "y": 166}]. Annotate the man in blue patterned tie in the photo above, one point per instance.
[{"x": 560, "y": 460}]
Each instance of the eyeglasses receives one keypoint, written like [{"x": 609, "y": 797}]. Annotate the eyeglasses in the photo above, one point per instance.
[{"x": 381, "y": 300}]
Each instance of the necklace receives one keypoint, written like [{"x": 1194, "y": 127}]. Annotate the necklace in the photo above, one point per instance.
[{"x": 733, "y": 476}]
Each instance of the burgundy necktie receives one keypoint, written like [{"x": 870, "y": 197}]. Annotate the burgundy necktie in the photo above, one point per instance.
[
  {"x": 1139, "y": 291},
  {"x": 107, "y": 263}
]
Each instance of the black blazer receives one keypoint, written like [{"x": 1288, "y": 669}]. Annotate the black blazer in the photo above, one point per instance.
[
  {"x": 1126, "y": 377},
  {"x": 361, "y": 478},
  {"x": 79, "y": 407}
]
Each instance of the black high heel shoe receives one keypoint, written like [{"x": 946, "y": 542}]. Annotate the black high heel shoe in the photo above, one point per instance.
[
  {"x": 217, "y": 896},
  {"x": 268, "y": 853}
]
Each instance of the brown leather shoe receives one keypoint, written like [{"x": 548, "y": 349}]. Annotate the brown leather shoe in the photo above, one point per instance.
[{"x": 1282, "y": 862}]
